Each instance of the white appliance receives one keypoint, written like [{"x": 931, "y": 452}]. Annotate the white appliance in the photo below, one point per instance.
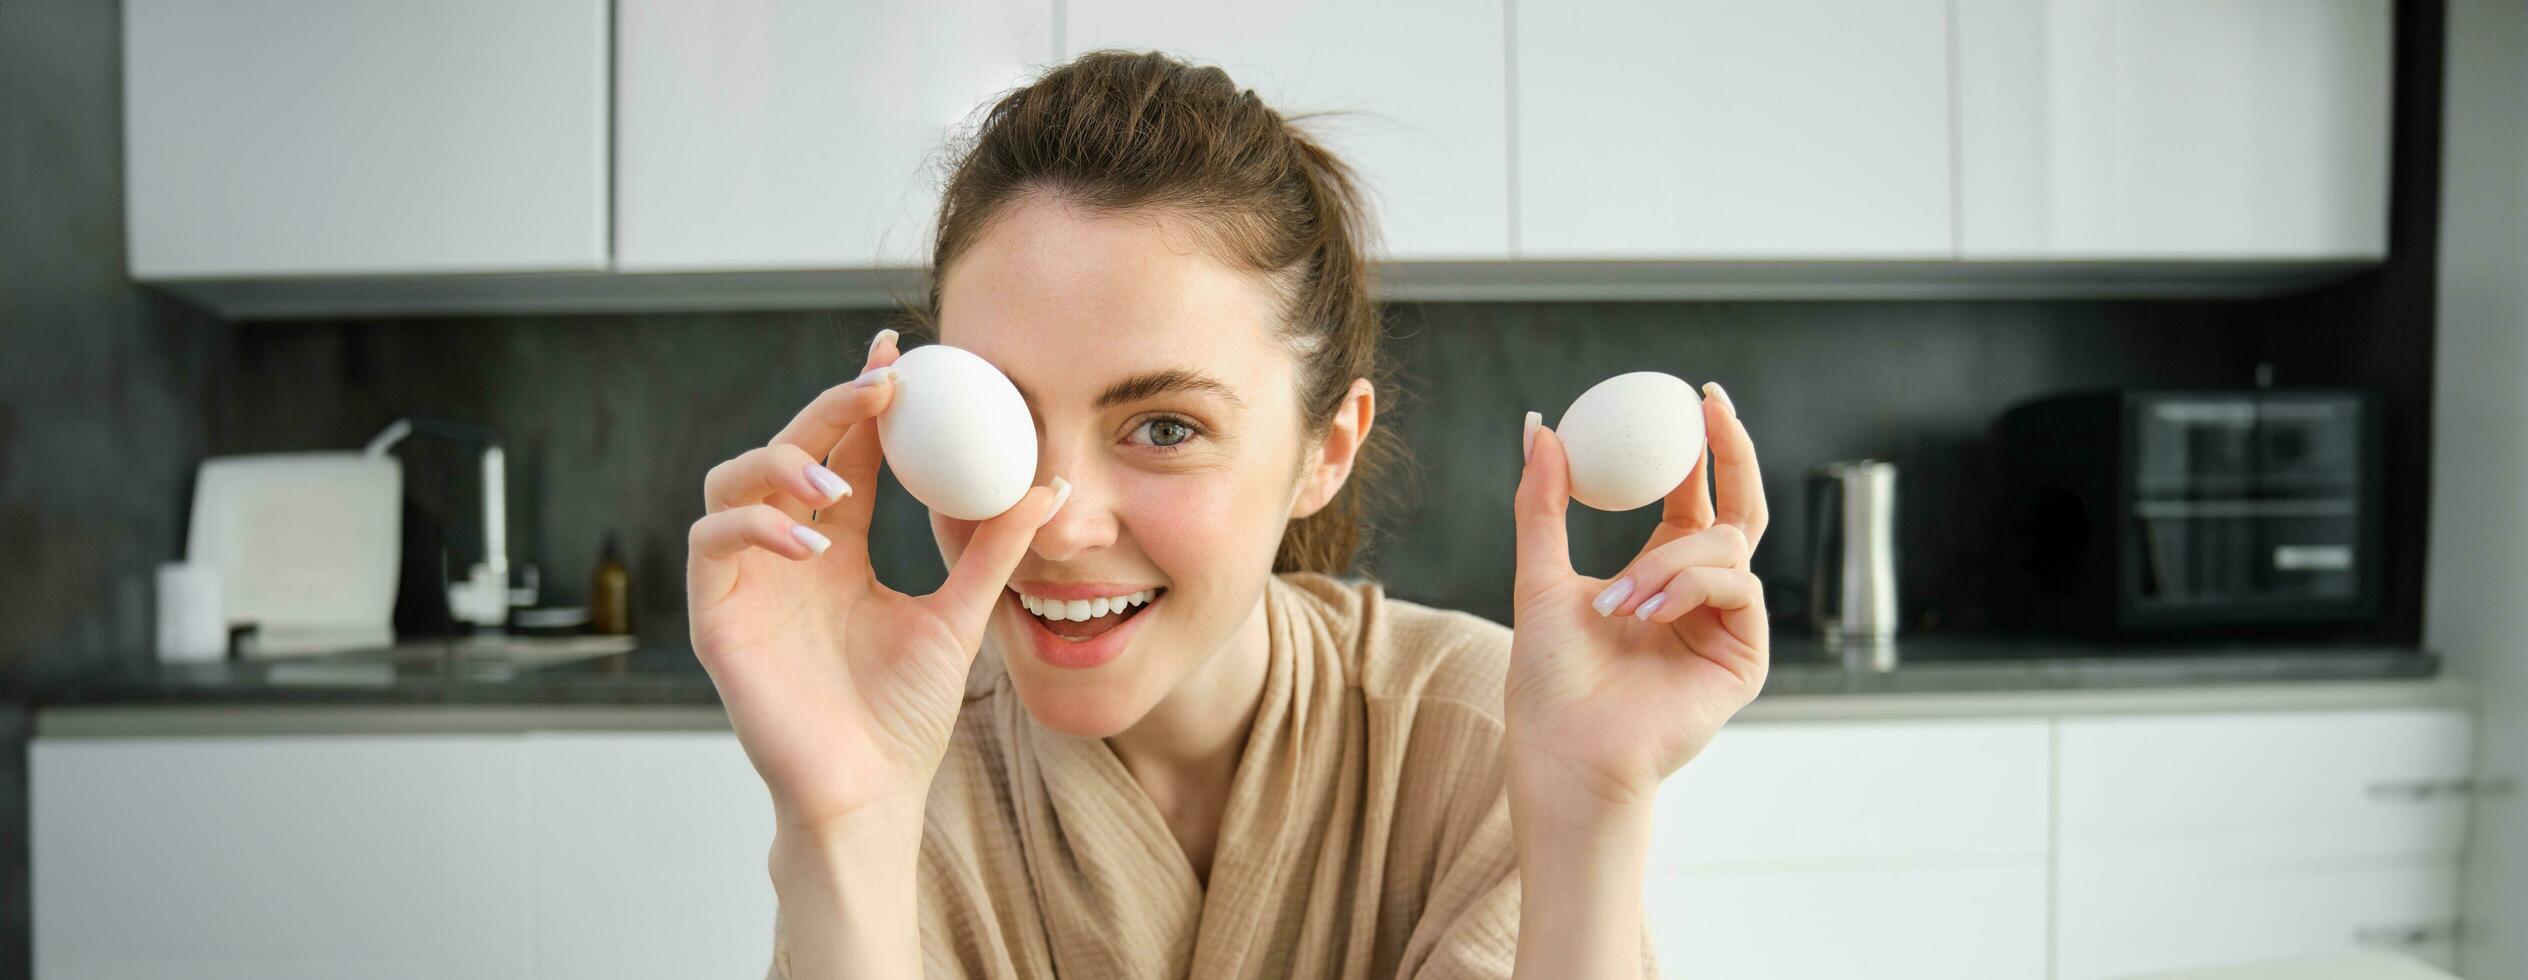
[{"x": 308, "y": 546}]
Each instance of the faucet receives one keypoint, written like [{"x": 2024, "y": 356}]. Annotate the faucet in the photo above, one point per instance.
[{"x": 483, "y": 596}]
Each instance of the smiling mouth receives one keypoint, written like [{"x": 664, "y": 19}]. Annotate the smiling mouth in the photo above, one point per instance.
[{"x": 1084, "y": 629}]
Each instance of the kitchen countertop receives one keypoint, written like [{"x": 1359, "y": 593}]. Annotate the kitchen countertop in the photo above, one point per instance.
[{"x": 2002, "y": 670}]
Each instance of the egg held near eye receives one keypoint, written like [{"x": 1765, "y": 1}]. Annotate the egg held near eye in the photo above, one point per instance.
[
  {"x": 1631, "y": 439},
  {"x": 958, "y": 435}
]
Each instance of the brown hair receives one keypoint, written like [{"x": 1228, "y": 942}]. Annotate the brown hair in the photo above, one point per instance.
[{"x": 1119, "y": 131}]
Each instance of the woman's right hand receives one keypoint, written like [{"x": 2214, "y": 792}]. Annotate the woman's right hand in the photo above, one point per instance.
[{"x": 842, "y": 690}]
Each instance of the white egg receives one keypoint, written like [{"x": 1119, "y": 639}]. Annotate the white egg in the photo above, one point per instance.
[
  {"x": 958, "y": 435},
  {"x": 1631, "y": 439}
]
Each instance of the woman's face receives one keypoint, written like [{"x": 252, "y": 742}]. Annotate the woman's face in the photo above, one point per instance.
[{"x": 1162, "y": 392}]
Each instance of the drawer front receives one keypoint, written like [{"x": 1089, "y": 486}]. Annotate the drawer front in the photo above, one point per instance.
[
  {"x": 1954, "y": 923},
  {"x": 2116, "y": 918},
  {"x": 2265, "y": 789},
  {"x": 1805, "y": 792}
]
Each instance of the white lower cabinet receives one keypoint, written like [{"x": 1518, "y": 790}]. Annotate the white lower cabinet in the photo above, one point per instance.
[
  {"x": 549, "y": 855},
  {"x": 1933, "y": 922},
  {"x": 2122, "y": 918},
  {"x": 278, "y": 858},
  {"x": 1848, "y": 849},
  {"x": 649, "y": 856},
  {"x": 1859, "y": 791},
  {"x": 2199, "y": 840},
  {"x": 2085, "y": 847},
  {"x": 2276, "y": 789}
]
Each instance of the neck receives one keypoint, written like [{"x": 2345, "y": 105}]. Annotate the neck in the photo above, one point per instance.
[{"x": 1190, "y": 741}]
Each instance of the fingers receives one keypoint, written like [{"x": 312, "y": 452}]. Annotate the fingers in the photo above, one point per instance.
[
  {"x": 974, "y": 585},
  {"x": 1734, "y": 592},
  {"x": 822, "y": 423},
  {"x": 1704, "y": 585},
  {"x": 1718, "y": 546},
  {"x": 720, "y": 537},
  {"x": 1737, "y": 483},
  {"x": 1687, "y": 509},
  {"x": 1544, "y": 495},
  {"x": 856, "y": 455},
  {"x": 780, "y": 474}
]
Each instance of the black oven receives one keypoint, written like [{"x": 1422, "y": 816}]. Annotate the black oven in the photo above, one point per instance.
[{"x": 2164, "y": 511}]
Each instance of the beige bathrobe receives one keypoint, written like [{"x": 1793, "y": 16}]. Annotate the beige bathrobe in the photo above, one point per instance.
[{"x": 1367, "y": 833}]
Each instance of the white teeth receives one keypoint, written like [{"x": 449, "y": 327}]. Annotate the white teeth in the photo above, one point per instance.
[{"x": 1082, "y": 610}]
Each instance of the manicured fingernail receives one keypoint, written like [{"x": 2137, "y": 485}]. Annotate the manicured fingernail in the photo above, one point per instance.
[
  {"x": 827, "y": 483},
  {"x": 1644, "y": 610},
  {"x": 807, "y": 536},
  {"x": 875, "y": 375},
  {"x": 1614, "y": 596},
  {"x": 1061, "y": 492},
  {"x": 883, "y": 338},
  {"x": 1527, "y": 437},
  {"x": 1714, "y": 389}
]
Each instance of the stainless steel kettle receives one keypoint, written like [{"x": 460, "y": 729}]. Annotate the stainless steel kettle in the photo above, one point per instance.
[{"x": 1852, "y": 551}]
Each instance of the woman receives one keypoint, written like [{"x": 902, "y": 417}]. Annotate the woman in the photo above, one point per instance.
[{"x": 1241, "y": 765}]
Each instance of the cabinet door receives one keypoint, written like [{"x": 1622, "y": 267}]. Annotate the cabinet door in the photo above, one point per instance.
[
  {"x": 311, "y": 136},
  {"x": 1654, "y": 129},
  {"x": 2173, "y": 129},
  {"x": 2198, "y": 840},
  {"x": 767, "y": 134},
  {"x": 1416, "y": 89},
  {"x": 380, "y": 856},
  {"x": 1918, "y": 847},
  {"x": 2118, "y": 918},
  {"x": 1945, "y": 923},
  {"x": 2276, "y": 789},
  {"x": 1858, "y": 792},
  {"x": 649, "y": 856}
]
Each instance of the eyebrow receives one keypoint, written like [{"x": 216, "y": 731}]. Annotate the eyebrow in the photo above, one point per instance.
[{"x": 1142, "y": 387}]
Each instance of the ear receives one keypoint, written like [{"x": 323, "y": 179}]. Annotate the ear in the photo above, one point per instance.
[{"x": 1343, "y": 439}]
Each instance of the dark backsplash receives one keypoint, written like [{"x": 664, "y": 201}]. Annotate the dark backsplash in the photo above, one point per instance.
[{"x": 611, "y": 421}]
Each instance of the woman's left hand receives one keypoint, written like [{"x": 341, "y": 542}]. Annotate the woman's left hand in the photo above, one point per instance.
[{"x": 1615, "y": 683}]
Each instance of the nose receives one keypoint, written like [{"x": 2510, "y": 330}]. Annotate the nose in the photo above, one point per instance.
[{"x": 1086, "y": 521}]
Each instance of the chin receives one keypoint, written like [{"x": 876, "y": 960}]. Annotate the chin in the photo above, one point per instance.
[
  {"x": 1081, "y": 711},
  {"x": 1090, "y": 702}
]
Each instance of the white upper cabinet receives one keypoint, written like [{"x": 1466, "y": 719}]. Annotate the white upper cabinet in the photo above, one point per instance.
[
  {"x": 1415, "y": 88},
  {"x": 283, "y": 155},
  {"x": 319, "y": 137},
  {"x": 775, "y": 134},
  {"x": 1796, "y": 129},
  {"x": 2173, "y": 129}
]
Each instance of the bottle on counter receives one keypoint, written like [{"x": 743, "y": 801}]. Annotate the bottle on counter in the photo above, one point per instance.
[{"x": 610, "y": 592}]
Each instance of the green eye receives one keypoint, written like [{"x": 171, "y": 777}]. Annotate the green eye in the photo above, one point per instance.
[{"x": 1169, "y": 432}]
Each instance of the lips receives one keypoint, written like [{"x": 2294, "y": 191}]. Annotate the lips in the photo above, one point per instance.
[{"x": 1081, "y": 644}]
